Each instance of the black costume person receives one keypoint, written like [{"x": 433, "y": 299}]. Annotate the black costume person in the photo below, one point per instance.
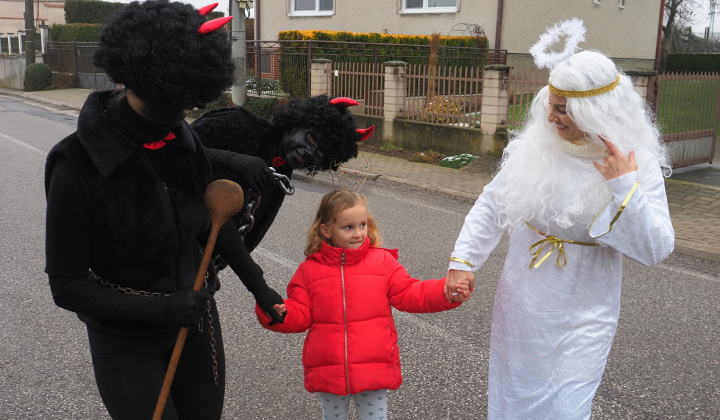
[
  {"x": 315, "y": 134},
  {"x": 126, "y": 218}
]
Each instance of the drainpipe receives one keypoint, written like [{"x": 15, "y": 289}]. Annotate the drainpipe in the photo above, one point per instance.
[
  {"x": 257, "y": 20},
  {"x": 659, "y": 37},
  {"x": 498, "y": 24}
]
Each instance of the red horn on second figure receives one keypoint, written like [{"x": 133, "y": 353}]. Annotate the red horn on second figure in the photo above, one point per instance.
[
  {"x": 343, "y": 103},
  {"x": 213, "y": 25},
  {"x": 207, "y": 9},
  {"x": 365, "y": 132}
]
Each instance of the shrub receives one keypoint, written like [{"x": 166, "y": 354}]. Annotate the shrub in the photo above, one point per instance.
[
  {"x": 428, "y": 156},
  {"x": 390, "y": 146},
  {"x": 62, "y": 80},
  {"x": 442, "y": 105},
  {"x": 38, "y": 76},
  {"x": 267, "y": 85},
  {"x": 457, "y": 161},
  {"x": 76, "y": 32}
]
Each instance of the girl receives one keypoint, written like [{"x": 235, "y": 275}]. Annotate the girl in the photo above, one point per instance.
[{"x": 343, "y": 294}]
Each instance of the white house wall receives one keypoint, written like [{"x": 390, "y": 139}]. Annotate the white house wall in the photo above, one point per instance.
[
  {"x": 12, "y": 12},
  {"x": 629, "y": 34}
]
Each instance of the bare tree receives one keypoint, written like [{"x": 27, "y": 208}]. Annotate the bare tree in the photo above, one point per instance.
[{"x": 678, "y": 15}]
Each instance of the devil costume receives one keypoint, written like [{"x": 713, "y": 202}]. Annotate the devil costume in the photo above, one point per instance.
[
  {"x": 328, "y": 123},
  {"x": 125, "y": 224}
]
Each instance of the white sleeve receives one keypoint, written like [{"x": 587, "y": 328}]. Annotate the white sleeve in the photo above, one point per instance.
[
  {"x": 636, "y": 222},
  {"x": 480, "y": 233}
]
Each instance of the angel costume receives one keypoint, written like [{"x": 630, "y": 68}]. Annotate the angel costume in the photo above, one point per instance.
[{"x": 558, "y": 299}]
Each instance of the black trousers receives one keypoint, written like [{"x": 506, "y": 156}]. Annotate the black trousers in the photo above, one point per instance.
[{"x": 131, "y": 392}]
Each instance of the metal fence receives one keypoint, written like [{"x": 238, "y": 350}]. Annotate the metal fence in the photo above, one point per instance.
[
  {"x": 360, "y": 81},
  {"x": 687, "y": 107},
  {"x": 524, "y": 84},
  {"x": 444, "y": 94},
  {"x": 281, "y": 68}
]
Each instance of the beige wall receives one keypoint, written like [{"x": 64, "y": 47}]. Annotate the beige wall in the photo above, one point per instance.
[
  {"x": 628, "y": 35},
  {"x": 11, "y": 14}
]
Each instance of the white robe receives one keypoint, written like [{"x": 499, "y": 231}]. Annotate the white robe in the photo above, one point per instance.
[{"x": 552, "y": 326}]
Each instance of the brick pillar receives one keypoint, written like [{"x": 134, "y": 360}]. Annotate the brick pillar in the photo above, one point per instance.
[
  {"x": 320, "y": 77},
  {"x": 394, "y": 96},
  {"x": 494, "y": 98},
  {"x": 641, "y": 80}
]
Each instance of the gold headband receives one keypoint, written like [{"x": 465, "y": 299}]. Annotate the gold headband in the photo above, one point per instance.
[{"x": 584, "y": 93}]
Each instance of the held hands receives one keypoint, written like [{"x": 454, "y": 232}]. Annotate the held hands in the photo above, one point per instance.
[
  {"x": 268, "y": 299},
  {"x": 615, "y": 163},
  {"x": 458, "y": 285}
]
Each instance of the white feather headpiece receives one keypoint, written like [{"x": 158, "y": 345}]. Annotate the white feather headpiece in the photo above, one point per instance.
[{"x": 573, "y": 30}]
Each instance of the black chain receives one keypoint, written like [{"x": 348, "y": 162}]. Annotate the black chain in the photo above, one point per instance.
[{"x": 208, "y": 308}]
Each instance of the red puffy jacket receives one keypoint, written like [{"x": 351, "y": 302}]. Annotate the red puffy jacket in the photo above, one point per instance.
[{"x": 343, "y": 297}]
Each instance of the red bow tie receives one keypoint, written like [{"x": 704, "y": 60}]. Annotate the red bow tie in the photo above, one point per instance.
[
  {"x": 278, "y": 162},
  {"x": 154, "y": 145}
]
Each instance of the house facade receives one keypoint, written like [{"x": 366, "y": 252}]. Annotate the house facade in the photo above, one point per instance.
[
  {"x": 46, "y": 12},
  {"x": 626, "y": 30}
]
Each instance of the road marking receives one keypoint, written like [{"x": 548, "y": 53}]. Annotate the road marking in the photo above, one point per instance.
[
  {"x": 23, "y": 144},
  {"x": 276, "y": 258},
  {"x": 689, "y": 272}
]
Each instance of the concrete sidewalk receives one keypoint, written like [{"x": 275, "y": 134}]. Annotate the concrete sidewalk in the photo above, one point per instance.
[{"x": 693, "y": 193}]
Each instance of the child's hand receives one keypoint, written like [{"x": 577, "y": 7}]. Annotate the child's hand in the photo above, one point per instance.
[
  {"x": 280, "y": 309},
  {"x": 463, "y": 291},
  {"x": 452, "y": 282}
]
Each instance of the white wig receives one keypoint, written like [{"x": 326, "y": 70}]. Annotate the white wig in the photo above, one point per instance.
[{"x": 532, "y": 189}]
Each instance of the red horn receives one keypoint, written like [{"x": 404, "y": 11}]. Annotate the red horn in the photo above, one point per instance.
[
  {"x": 213, "y": 25},
  {"x": 365, "y": 132},
  {"x": 207, "y": 9},
  {"x": 343, "y": 103}
]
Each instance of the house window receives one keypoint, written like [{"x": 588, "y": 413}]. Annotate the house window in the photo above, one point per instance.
[
  {"x": 312, "y": 7},
  {"x": 429, "y": 6}
]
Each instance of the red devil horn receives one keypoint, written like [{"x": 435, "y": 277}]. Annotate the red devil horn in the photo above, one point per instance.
[
  {"x": 365, "y": 132},
  {"x": 343, "y": 103},
  {"x": 213, "y": 25},
  {"x": 207, "y": 9}
]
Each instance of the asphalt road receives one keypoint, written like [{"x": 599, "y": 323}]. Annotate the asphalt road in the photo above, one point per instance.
[{"x": 663, "y": 364}]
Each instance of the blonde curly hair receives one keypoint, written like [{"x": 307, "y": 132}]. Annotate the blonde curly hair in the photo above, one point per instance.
[{"x": 331, "y": 204}]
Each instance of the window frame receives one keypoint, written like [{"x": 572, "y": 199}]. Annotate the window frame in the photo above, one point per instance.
[
  {"x": 316, "y": 12},
  {"x": 427, "y": 9}
]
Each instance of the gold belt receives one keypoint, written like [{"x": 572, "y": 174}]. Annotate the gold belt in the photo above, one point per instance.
[{"x": 556, "y": 243}]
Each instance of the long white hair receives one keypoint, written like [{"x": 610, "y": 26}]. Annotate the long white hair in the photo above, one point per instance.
[{"x": 531, "y": 188}]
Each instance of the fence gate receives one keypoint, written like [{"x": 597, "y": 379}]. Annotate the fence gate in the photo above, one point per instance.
[
  {"x": 687, "y": 106},
  {"x": 361, "y": 81}
]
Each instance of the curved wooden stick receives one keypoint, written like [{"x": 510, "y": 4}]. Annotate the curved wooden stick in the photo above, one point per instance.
[{"x": 223, "y": 198}]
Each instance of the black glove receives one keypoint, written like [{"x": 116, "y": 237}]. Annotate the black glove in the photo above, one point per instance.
[
  {"x": 266, "y": 297},
  {"x": 250, "y": 172},
  {"x": 185, "y": 307}
]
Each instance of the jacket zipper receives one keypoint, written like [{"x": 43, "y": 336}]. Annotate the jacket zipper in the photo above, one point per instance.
[{"x": 342, "y": 282}]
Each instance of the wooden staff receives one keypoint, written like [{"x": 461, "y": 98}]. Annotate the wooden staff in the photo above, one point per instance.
[{"x": 223, "y": 198}]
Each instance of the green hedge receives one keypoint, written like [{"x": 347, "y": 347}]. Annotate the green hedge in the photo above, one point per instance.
[
  {"x": 455, "y": 51},
  {"x": 78, "y": 32},
  {"x": 83, "y": 11},
  {"x": 692, "y": 62}
]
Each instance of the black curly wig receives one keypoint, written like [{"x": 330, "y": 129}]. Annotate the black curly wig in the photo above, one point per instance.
[
  {"x": 334, "y": 128},
  {"x": 154, "y": 49}
]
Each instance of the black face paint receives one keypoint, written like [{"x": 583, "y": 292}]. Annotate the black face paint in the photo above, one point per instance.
[{"x": 299, "y": 148}]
